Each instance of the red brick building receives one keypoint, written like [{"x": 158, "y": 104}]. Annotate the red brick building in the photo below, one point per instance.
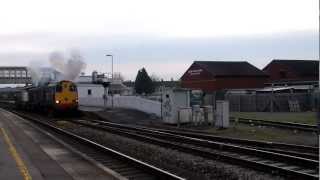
[
  {"x": 217, "y": 75},
  {"x": 292, "y": 70}
]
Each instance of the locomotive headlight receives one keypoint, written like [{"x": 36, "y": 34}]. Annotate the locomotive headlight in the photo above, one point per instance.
[{"x": 57, "y": 101}]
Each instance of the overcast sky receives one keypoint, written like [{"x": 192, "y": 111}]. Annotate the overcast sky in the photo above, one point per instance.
[{"x": 165, "y": 36}]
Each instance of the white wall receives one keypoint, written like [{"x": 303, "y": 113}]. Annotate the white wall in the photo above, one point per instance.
[
  {"x": 97, "y": 90},
  {"x": 130, "y": 102},
  {"x": 91, "y": 101}
]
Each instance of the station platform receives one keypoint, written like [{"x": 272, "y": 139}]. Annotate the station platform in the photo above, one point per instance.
[{"x": 27, "y": 153}]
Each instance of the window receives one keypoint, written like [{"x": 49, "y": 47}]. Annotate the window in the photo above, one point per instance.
[
  {"x": 18, "y": 73},
  {"x": 24, "y": 74},
  {"x": 6, "y": 73},
  {"x": 89, "y": 92},
  {"x": 58, "y": 88},
  {"x": 72, "y": 88},
  {"x": 12, "y": 74}
]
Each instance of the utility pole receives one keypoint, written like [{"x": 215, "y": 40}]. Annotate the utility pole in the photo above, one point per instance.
[{"x": 111, "y": 77}]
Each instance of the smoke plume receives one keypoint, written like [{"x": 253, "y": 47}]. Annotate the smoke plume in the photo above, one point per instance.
[
  {"x": 35, "y": 72},
  {"x": 70, "y": 67}
]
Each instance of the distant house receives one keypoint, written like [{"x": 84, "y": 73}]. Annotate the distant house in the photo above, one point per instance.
[
  {"x": 218, "y": 75},
  {"x": 290, "y": 71}
]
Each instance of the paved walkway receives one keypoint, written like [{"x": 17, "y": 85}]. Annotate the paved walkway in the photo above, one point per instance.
[{"x": 26, "y": 153}]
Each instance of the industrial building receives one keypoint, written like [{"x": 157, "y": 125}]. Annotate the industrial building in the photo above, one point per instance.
[
  {"x": 292, "y": 72},
  {"x": 211, "y": 76}
]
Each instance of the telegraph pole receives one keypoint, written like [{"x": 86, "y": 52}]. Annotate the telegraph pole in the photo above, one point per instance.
[{"x": 111, "y": 77}]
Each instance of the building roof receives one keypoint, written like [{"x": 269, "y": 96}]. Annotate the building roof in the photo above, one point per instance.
[
  {"x": 88, "y": 79},
  {"x": 293, "y": 82},
  {"x": 281, "y": 88},
  {"x": 157, "y": 83},
  {"x": 230, "y": 68},
  {"x": 88, "y": 85},
  {"x": 301, "y": 67},
  {"x": 13, "y": 67}
]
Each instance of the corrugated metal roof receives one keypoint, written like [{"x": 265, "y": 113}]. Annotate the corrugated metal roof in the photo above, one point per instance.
[{"x": 269, "y": 89}]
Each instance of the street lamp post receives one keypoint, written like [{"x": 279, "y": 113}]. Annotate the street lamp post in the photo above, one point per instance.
[{"x": 111, "y": 77}]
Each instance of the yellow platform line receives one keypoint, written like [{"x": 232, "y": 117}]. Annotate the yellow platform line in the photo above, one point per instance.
[{"x": 21, "y": 166}]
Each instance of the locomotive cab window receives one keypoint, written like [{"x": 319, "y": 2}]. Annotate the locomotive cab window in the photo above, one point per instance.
[
  {"x": 58, "y": 88},
  {"x": 72, "y": 88}
]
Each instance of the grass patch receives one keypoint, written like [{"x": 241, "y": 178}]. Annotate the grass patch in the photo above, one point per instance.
[
  {"x": 264, "y": 133},
  {"x": 297, "y": 117},
  {"x": 63, "y": 123}
]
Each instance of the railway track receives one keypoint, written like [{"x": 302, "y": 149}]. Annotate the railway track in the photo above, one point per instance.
[
  {"x": 287, "y": 125},
  {"x": 275, "y": 163},
  {"x": 271, "y": 162},
  {"x": 124, "y": 165},
  {"x": 309, "y": 152}
]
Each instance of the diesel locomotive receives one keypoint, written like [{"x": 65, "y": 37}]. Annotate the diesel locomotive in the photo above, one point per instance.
[{"x": 60, "y": 96}]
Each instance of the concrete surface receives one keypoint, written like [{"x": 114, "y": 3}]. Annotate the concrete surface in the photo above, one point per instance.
[
  {"x": 43, "y": 157},
  {"x": 8, "y": 166}
]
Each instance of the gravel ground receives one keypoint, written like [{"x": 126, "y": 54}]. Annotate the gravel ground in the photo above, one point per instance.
[
  {"x": 125, "y": 116},
  {"x": 185, "y": 165},
  {"x": 244, "y": 131}
]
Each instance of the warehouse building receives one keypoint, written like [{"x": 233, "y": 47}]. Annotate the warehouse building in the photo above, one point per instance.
[
  {"x": 210, "y": 76},
  {"x": 292, "y": 72}
]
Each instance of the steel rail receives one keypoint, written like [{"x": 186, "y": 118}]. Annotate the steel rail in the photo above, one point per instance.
[
  {"x": 224, "y": 146},
  {"x": 230, "y": 157},
  {"x": 287, "y": 125},
  {"x": 246, "y": 142},
  {"x": 145, "y": 167},
  {"x": 309, "y": 152}
]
